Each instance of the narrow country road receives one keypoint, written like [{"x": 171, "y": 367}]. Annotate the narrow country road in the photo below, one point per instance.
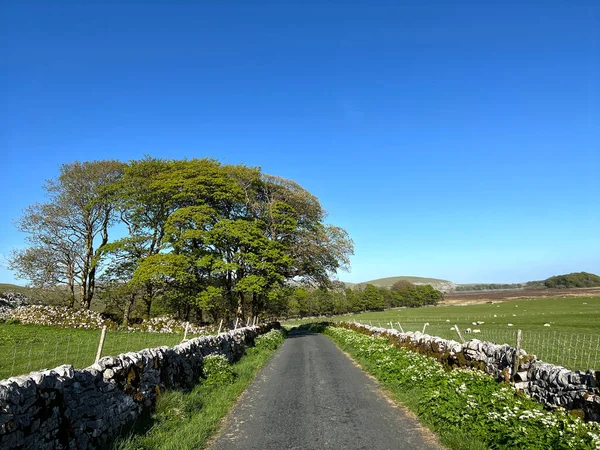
[{"x": 311, "y": 396}]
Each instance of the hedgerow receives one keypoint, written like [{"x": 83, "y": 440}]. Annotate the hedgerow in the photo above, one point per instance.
[{"x": 466, "y": 402}]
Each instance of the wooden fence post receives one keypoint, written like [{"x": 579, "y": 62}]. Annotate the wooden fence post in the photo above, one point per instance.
[
  {"x": 517, "y": 356},
  {"x": 236, "y": 323},
  {"x": 220, "y": 325},
  {"x": 400, "y": 326},
  {"x": 101, "y": 344},
  {"x": 424, "y": 326},
  {"x": 459, "y": 335},
  {"x": 187, "y": 325}
]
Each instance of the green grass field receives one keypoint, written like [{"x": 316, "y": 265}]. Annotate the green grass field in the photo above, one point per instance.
[
  {"x": 571, "y": 340},
  {"x": 25, "y": 348}
]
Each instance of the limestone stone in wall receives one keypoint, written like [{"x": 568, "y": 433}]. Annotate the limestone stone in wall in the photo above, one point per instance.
[
  {"x": 549, "y": 384},
  {"x": 65, "y": 408}
]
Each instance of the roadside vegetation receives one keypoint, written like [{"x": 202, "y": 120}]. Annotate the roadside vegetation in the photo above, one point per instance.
[
  {"x": 564, "y": 331},
  {"x": 467, "y": 408},
  {"x": 187, "y": 420}
]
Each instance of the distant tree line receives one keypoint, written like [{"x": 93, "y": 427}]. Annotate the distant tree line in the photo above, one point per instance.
[
  {"x": 573, "y": 280},
  {"x": 303, "y": 301},
  {"x": 487, "y": 286},
  {"x": 195, "y": 238}
]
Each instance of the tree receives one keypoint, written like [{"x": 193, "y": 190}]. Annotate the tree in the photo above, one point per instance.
[
  {"x": 145, "y": 201},
  {"x": 245, "y": 233},
  {"x": 408, "y": 294},
  {"x": 372, "y": 298},
  {"x": 52, "y": 258},
  {"x": 69, "y": 231},
  {"x": 354, "y": 300},
  {"x": 201, "y": 237}
]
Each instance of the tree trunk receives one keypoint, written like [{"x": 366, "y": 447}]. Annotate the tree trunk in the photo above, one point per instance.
[
  {"x": 92, "y": 259},
  {"x": 91, "y": 285},
  {"x": 128, "y": 309},
  {"x": 240, "y": 307},
  {"x": 83, "y": 300},
  {"x": 71, "y": 288},
  {"x": 71, "y": 282},
  {"x": 254, "y": 305}
]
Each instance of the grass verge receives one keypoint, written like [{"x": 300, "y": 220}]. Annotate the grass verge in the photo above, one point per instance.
[
  {"x": 468, "y": 409},
  {"x": 187, "y": 420}
]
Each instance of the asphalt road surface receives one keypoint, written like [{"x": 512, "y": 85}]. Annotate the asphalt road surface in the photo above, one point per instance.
[{"x": 312, "y": 396}]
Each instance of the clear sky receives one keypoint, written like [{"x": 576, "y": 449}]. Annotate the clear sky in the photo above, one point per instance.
[{"x": 458, "y": 140}]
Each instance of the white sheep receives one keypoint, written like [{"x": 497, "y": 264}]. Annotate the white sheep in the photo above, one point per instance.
[
  {"x": 476, "y": 330},
  {"x": 473, "y": 323},
  {"x": 468, "y": 331},
  {"x": 479, "y": 322},
  {"x": 546, "y": 324},
  {"x": 510, "y": 324}
]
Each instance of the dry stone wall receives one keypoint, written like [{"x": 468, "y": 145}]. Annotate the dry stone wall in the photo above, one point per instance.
[
  {"x": 552, "y": 385},
  {"x": 65, "y": 408}
]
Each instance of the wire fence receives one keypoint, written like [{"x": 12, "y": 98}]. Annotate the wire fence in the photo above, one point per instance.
[
  {"x": 46, "y": 349},
  {"x": 575, "y": 351}
]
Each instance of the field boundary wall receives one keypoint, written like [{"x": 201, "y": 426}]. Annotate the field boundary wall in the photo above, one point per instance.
[
  {"x": 65, "y": 408},
  {"x": 552, "y": 385}
]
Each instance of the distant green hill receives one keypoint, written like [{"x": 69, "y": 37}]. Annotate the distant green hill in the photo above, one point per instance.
[
  {"x": 441, "y": 285},
  {"x": 573, "y": 280}
]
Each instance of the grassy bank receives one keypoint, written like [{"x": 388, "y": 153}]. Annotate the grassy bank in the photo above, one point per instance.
[
  {"x": 468, "y": 409},
  {"x": 187, "y": 420}
]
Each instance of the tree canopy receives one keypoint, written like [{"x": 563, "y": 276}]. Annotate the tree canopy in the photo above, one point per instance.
[{"x": 198, "y": 236}]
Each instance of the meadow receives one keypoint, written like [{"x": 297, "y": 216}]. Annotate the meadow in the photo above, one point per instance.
[
  {"x": 25, "y": 348},
  {"x": 564, "y": 331}
]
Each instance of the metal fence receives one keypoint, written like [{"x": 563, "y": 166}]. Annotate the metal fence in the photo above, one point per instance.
[
  {"x": 575, "y": 351},
  {"x": 76, "y": 347}
]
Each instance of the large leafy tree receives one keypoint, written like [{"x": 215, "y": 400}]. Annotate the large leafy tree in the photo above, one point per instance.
[
  {"x": 203, "y": 236},
  {"x": 244, "y": 234}
]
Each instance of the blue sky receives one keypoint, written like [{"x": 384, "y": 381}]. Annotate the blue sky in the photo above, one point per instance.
[{"x": 459, "y": 141}]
